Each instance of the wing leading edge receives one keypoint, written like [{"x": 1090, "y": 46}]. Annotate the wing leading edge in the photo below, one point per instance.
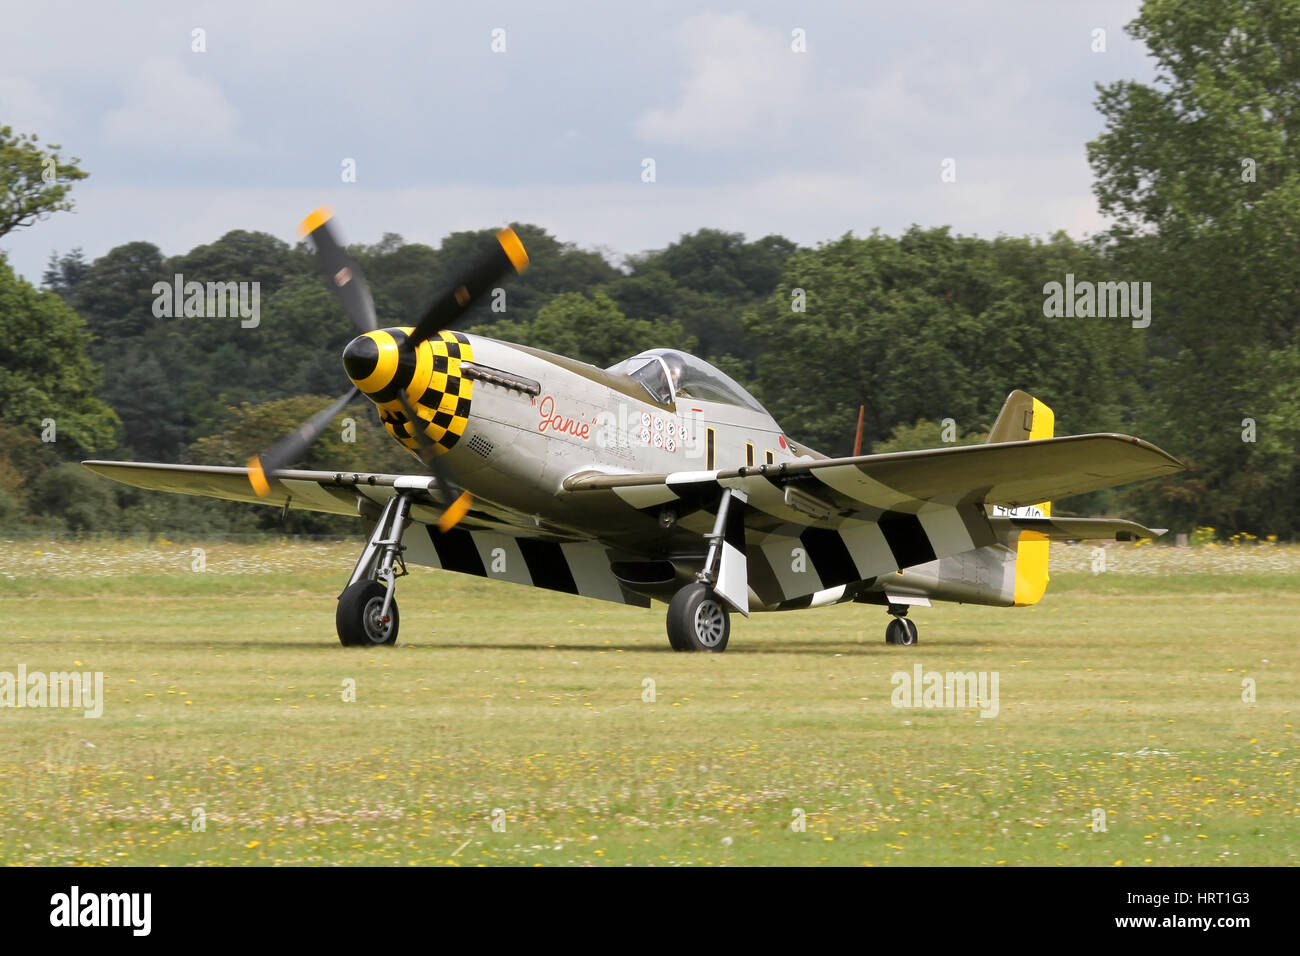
[
  {"x": 331, "y": 492},
  {"x": 326, "y": 491}
]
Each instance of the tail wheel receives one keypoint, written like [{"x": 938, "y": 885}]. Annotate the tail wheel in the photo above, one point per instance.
[
  {"x": 359, "y": 616},
  {"x": 698, "y": 620},
  {"x": 901, "y": 631}
]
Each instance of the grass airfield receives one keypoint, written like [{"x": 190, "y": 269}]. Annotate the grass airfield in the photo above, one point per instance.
[{"x": 509, "y": 725}]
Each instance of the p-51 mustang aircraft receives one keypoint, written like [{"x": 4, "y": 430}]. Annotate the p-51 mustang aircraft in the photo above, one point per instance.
[{"x": 659, "y": 478}]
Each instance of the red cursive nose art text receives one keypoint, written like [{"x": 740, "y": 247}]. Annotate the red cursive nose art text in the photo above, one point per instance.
[{"x": 554, "y": 421}]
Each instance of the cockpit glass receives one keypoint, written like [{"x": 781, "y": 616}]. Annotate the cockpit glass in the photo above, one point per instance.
[
  {"x": 687, "y": 377},
  {"x": 651, "y": 376}
]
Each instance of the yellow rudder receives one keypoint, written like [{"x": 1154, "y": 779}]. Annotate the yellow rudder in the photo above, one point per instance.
[{"x": 1032, "y": 547}]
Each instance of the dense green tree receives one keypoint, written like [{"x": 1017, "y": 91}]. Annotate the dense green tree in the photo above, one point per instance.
[
  {"x": 363, "y": 445},
  {"x": 81, "y": 502},
  {"x": 116, "y": 295},
  {"x": 22, "y": 456},
  {"x": 554, "y": 267},
  {"x": 298, "y": 347},
  {"x": 265, "y": 264},
  {"x": 706, "y": 280},
  {"x": 925, "y": 434},
  {"x": 34, "y": 181},
  {"x": 721, "y": 263},
  {"x": 931, "y": 326},
  {"x": 149, "y": 405},
  {"x": 1201, "y": 171},
  {"x": 591, "y": 329},
  {"x": 243, "y": 256},
  {"x": 65, "y": 273},
  {"x": 248, "y": 428},
  {"x": 402, "y": 277},
  {"x": 45, "y": 375}
]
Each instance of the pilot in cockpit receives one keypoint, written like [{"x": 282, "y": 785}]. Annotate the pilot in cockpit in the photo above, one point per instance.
[{"x": 675, "y": 367}]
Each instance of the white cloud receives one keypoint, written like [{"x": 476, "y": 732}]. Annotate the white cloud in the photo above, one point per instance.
[
  {"x": 24, "y": 107},
  {"x": 744, "y": 88},
  {"x": 741, "y": 78},
  {"x": 167, "y": 107}
]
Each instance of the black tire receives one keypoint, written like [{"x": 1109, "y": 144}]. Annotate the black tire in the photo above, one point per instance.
[
  {"x": 895, "y": 631},
  {"x": 698, "y": 620},
  {"x": 357, "y": 616},
  {"x": 674, "y": 638},
  {"x": 900, "y": 631}
]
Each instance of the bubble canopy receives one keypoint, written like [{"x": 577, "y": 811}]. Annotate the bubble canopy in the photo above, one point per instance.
[{"x": 669, "y": 373}]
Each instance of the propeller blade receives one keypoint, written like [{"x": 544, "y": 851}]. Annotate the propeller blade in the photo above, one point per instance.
[
  {"x": 340, "y": 270},
  {"x": 349, "y": 286},
  {"x": 457, "y": 509},
  {"x": 291, "y": 446},
  {"x": 503, "y": 259}
]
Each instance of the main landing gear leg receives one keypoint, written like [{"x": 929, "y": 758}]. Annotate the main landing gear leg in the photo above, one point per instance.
[
  {"x": 698, "y": 618},
  {"x": 367, "y": 610},
  {"x": 900, "y": 630}
]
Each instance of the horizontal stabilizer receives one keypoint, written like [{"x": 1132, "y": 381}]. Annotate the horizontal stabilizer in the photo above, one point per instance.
[{"x": 1075, "y": 529}]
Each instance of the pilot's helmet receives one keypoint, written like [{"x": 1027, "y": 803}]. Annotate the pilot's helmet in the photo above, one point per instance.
[{"x": 675, "y": 367}]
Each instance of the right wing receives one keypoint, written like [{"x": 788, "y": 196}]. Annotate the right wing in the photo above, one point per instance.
[
  {"x": 330, "y": 492},
  {"x": 489, "y": 542}
]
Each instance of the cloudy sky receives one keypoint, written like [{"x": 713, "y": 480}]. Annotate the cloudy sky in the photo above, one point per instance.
[{"x": 746, "y": 134}]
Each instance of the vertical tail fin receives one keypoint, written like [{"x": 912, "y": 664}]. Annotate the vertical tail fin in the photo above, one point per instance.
[{"x": 1025, "y": 418}]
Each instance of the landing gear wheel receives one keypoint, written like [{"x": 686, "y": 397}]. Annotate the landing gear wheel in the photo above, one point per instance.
[
  {"x": 357, "y": 618},
  {"x": 901, "y": 631},
  {"x": 911, "y": 631},
  {"x": 698, "y": 620},
  {"x": 674, "y": 637}
]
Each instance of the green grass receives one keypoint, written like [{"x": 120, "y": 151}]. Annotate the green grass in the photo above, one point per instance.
[{"x": 1120, "y": 691}]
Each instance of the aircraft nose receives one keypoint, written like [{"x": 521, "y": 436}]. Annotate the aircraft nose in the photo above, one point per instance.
[{"x": 360, "y": 358}]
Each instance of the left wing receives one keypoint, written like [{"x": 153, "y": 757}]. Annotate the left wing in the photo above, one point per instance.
[
  {"x": 1012, "y": 474},
  {"x": 854, "y": 519}
]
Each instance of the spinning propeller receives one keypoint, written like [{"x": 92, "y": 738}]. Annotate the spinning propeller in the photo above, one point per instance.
[{"x": 346, "y": 281}]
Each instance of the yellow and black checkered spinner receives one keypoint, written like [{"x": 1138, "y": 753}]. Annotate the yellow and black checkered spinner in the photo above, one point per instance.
[{"x": 431, "y": 376}]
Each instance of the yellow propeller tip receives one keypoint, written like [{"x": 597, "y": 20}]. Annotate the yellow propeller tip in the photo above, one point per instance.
[
  {"x": 514, "y": 249},
  {"x": 315, "y": 220},
  {"x": 455, "y": 511},
  {"x": 257, "y": 477}
]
